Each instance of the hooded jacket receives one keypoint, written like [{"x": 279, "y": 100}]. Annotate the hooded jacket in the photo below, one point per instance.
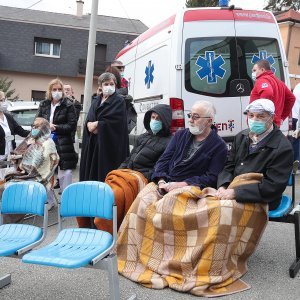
[
  {"x": 149, "y": 147},
  {"x": 268, "y": 86}
]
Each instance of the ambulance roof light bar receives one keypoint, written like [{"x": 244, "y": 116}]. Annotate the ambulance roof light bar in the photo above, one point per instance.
[{"x": 223, "y": 3}]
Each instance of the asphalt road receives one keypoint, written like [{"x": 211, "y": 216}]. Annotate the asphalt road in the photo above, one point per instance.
[{"x": 268, "y": 273}]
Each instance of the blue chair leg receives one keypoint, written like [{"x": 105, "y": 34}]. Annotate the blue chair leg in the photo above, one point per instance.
[
  {"x": 5, "y": 280},
  {"x": 295, "y": 267}
]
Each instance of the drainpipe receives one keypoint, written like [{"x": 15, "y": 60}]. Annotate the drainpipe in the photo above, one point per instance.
[{"x": 289, "y": 40}]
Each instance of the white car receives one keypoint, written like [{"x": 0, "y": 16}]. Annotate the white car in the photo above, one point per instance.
[{"x": 24, "y": 113}]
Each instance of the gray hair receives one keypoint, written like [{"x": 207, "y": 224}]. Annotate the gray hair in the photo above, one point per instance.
[
  {"x": 210, "y": 108},
  {"x": 106, "y": 77}
]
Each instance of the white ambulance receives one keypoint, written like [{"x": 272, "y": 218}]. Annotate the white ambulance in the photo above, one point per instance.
[{"x": 203, "y": 54}]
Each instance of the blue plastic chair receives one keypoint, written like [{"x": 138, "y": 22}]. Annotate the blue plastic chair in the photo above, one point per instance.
[
  {"x": 16, "y": 239},
  {"x": 283, "y": 213},
  {"x": 79, "y": 247}
]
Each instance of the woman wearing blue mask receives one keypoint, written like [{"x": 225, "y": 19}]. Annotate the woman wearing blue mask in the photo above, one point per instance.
[
  {"x": 137, "y": 169},
  {"x": 8, "y": 129}
]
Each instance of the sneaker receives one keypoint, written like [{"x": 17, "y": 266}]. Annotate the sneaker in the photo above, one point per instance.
[
  {"x": 56, "y": 186},
  {"x": 50, "y": 206}
]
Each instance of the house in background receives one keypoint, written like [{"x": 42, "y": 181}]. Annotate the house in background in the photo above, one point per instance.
[
  {"x": 37, "y": 46},
  {"x": 289, "y": 25}
]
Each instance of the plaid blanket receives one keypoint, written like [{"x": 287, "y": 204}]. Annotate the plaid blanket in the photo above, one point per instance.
[{"x": 190, "y": 241}]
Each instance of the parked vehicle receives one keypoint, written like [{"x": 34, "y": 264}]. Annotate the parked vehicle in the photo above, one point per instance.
[
  {"x": 203, "y": 54},
  {"x": 24, "y": 113}
]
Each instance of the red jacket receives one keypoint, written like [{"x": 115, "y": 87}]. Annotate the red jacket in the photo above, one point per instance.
[{"x": 268, "y": 86}]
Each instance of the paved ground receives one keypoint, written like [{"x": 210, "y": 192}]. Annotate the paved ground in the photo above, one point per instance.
[{"x": 268, "y": 274}]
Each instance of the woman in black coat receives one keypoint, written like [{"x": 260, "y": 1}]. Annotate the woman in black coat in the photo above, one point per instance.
[
  {"x": 105, "y": 138},
  {"x": 61, "y": 114},
  {"x": 8, "y": 127}
]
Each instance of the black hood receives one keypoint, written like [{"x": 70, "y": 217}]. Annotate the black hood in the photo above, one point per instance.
[{"x": 165, "y": 113}]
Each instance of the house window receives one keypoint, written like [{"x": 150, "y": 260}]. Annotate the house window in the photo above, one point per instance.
[
  {"x": 47, "y": 47},
  {"x": 38, "y": 95}
]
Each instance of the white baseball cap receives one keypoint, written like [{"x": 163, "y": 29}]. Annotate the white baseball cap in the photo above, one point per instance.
[{"x": 260, "y": 105}]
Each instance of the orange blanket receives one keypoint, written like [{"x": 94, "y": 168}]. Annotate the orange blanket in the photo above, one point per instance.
[{"x": 126, "y": 184}]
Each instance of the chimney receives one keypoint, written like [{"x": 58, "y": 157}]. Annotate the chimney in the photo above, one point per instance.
[{"x": 79, "y": 8}]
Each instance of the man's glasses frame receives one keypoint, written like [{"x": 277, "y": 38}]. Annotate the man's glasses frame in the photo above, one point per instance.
[{"x": 195, "y": 117}]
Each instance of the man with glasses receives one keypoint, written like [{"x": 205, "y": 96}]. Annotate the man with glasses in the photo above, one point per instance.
[
  {"x": 119, "y": 65},
  {"x": 260, "y": 149},
  {"x": 195, "y": 156}
]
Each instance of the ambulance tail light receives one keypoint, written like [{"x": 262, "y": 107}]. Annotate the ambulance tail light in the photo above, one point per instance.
[{"x": 177, "y": 114}]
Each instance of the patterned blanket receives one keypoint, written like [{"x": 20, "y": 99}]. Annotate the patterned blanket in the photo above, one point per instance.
[
  {"x": 126, "y": 184},
  {"x": 190, "y": 241}
]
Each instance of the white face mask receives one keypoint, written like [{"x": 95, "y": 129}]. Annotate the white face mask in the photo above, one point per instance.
[
  {"x": 57, "y": 95},
  {"x": 253, "y": 75},
  {"x": 195, "y": 130},
  {"x": 122, "y": 74},
  {"x": 3, "y": 106},
  {"x": 108, "y": 89}
]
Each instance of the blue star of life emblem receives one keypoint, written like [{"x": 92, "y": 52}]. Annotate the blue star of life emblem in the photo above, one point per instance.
[
  {"x": 149, "y": 74},
  {"x": 210, "y": 67},
  {"x": 264, "y": 55}
]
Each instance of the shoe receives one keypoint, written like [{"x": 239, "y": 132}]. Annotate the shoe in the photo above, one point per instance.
[
  {"x": 56, "y": 186},
  {"x": 50, "y": 206}
]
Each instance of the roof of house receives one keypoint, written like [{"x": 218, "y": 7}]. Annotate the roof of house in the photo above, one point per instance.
[
  {"x": 104, "y": 23},
  {"x": 289, "y": 15}
]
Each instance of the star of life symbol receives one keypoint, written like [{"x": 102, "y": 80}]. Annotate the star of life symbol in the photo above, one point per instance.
[
  {"x": 262, "y": 54},
  {"x": 210, "y": 67},
  {"x": 149, "y": 74}
]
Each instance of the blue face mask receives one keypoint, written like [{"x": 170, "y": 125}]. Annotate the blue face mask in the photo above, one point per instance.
[
  {"x": 257, "y": 127},
  {"x": 155, "y": 126},
  {"x": 35, "y": 132}
]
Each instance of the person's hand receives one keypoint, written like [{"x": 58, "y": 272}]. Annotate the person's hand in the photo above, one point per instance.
[
  {"x": 92, "y": 126},
  {"x": 172, "y": 185},
  {"x": 52, "y": 127},
  {"x": 225, "y": 194},
  {"x": 296, "y": 133}
]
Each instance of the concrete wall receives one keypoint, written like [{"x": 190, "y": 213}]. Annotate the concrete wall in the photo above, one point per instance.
[{"x": 293, "y": 51}]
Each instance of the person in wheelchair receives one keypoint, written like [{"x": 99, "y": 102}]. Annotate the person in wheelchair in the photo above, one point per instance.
[
  {"x": 260, "y": 149},
  {"x": 36, "y": 158}
]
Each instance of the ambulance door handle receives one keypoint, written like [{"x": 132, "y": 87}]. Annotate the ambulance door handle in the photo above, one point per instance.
[{"x": 179, "y": 67}]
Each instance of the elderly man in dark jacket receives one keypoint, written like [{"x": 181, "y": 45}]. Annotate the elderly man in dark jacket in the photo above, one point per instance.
[
  {"x": 195, "y": 156},
  {"x": 260, "y": 149},
  {"x": 152, "y": 144}
]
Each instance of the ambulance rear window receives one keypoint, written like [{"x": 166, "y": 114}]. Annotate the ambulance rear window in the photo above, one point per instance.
[
  {"x": 208, "y": 65},
  {"x": 251, "y": 50},
  {"x": 211, "y": 64}
]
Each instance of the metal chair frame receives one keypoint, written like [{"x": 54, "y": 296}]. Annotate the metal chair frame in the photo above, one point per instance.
[
  {"x": 293, "y": 219},
  {"x": 6, "y": 279}
]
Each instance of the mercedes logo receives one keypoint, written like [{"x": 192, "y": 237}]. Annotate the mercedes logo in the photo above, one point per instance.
[{"x": 240, "y": 88}]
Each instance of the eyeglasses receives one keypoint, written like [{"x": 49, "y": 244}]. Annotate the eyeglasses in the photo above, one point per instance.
[
  {"x": 33, "y": 126},
  {"x": 195, "y": 117}
]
